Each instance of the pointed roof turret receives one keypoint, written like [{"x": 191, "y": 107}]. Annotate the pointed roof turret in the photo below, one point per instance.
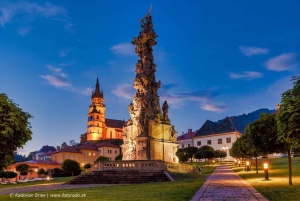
[{"x": 97, "y": 93}]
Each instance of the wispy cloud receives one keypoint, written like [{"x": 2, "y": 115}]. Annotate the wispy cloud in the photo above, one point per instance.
[
  {"x": 247, "y": 75},
  {"x": 126, "y": 49},
  {"x": 124, "y": 91},
  {"x": 56, "y": 81},
  {"x": 213, "y": 107},
  {"x": 59, "y": 80},
  {"x": 63, "y": 64},
  {"x": 23, "y": 30},
  {"x": 30, "y": 11},
  {"x": 283, "y": 62},
  {"x": 251, "y": 51},
  {"x": 64, "y": 52},
  {"x": 203, "y": 97}
]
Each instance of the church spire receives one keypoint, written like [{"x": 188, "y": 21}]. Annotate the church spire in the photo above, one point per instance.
[{"x": 97, "y": 93}]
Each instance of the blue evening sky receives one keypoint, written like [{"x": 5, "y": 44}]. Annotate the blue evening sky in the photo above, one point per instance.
[{"x": 215, "y": 59}]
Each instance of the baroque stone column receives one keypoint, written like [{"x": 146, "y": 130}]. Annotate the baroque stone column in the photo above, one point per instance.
[{"x": 148, "y": 134}]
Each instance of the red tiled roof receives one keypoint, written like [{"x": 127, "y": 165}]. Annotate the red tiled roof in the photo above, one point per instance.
[
  {"x": 106, "y": 144},
  {"x": 186, "y": 136},
  {"x": 88, "y": 147},
  {"x": 113, "y": 123},
  {"x": 49, "y": 153},
  {"x": 71, "y": 149}
]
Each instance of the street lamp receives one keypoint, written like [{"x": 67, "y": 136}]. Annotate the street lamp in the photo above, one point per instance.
[
  {"x": 225, "y": 147},
  {"x": 48, "y": 179},
  {"x": 266, "y": 168},
  {"x": 247, "y": 165}
]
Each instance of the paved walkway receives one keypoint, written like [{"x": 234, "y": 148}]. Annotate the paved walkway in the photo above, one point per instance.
[{"x": 225, "y": 184}]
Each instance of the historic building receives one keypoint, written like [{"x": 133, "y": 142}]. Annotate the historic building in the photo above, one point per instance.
[
  {"x": 220, "y": 136},
  {"x": 99, "y": 127},
  {"x": 186, "y": 139},
  {"x": 86, "y": 153}
]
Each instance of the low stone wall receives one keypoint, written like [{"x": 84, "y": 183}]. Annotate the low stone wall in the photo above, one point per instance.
[
  {"x": 181, "y": 168},
  {"x": 132, "y": 165}
]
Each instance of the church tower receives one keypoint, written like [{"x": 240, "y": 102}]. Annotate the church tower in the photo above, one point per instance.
[{"x": 96, "y": 128}]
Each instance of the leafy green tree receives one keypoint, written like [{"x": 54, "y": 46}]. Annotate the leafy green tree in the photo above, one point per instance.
[
  {"x": 15, "y": 129},
  {"x": 23, "y": 169},
  {"x": 119, "y": 157},
  {"x": 198, "y": 155},
  {"x": 190, "y": 151},
  {"x": 101, "y": 158},
  {"x": 11, "y": 174},
  {"x": 87, "y": 166},
  {"x": 288, "y": 120},
  {"x": 41, "y": 171},
  {"x": 220, "y": 154},
  {"x": 64, "y": 144},
  {"x": 181, "y": 155},
  {"x": 205, "y": 147},
  {"x": 209, "y": 154},
  {"x": 70, "y": 165}
]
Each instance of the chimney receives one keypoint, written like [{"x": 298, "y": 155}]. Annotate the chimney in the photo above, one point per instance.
[
  {"x": 189, "y": 130},
  {"x": 57, "y": 148}
]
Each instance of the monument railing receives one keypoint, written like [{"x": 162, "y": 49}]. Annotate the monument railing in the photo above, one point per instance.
[
  {"x": 132, "y": 165},
  {"x": 181, "y": 168}
]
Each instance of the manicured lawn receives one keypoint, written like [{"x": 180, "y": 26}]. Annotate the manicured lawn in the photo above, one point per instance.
[
  {"x": 56, "y": 180},
  {"x": 277, "y": 188},
  {"x": 183, "y": 188}
]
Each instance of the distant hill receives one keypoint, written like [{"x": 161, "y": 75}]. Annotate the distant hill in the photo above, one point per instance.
[{"x": 245, "y": 119}]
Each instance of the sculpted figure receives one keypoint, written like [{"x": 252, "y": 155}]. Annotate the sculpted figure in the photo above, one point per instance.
[{"x": 165, "y": 109}]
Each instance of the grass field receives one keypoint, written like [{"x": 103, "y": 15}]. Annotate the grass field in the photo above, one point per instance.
[
  {"x": 277, "y": 188},
  {"x": 56, "y": 180},
  {"x": 183, "y": 188}
]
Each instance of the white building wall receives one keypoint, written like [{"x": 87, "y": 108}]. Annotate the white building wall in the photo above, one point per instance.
[
  {"x": 214, "y": 139},
  {"x": 185, "y": 143}
]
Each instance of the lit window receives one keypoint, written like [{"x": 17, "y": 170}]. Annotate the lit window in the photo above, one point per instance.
[
  {"x": 199, "y": 143},
  {"x": 208, "y": 142},
  {"x": 219, "y": 141},
  {"x": 90, "y": 153},
  {"x": 228, "y": 140},
  {"x": 94, "y": 154}
]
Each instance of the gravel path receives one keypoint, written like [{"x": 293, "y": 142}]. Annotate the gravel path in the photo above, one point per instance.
[{"x": 46, "y": 187}]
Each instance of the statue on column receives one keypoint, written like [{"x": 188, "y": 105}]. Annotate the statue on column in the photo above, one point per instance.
[{"x": 165, "y": 109}]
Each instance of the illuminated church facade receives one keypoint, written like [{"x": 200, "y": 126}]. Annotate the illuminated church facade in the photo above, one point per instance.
[{"x": 99, "y": 127}]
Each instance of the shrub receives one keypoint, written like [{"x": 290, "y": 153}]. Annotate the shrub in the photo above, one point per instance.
[{"x": 119, "y": 157}]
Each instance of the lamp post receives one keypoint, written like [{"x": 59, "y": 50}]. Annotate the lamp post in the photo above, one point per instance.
[
  {"x": 247, "y": 165},
  {"x": 48, "y": 179},
  {"x": 225, "y": 147},
  {"x": 266, "y": 169}
]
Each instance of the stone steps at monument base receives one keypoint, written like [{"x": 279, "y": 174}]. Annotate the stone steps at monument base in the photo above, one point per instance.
[{"x": 120, "y": 177}]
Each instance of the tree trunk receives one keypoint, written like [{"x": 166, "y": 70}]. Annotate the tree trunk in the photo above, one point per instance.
[
  {"x": 256, "y": 165},
  {"x": 290, "y": 167}
]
